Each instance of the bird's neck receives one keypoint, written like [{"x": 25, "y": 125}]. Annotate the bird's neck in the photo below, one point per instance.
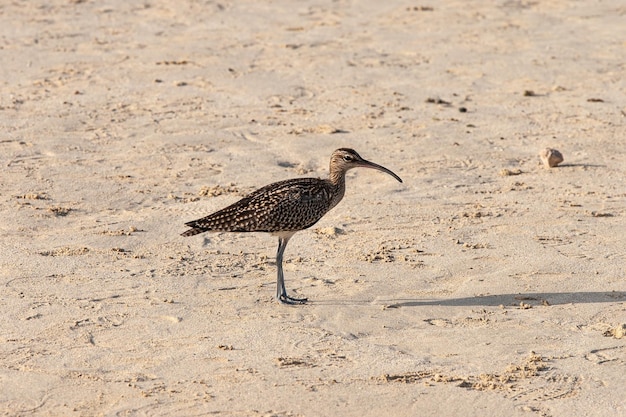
[
  {"x": 338, "y": 183},
  {"x": 337, "y": 178},
  {"x": 337, "y": 174}
]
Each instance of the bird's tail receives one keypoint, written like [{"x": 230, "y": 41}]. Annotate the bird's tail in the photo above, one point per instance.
[{"x": 193, "y": 232}]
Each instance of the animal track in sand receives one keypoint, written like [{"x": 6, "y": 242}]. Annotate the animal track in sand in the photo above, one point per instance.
[
  {"x": 530, "y": 381},
  {"x": 602, "y": 356},
  {"x": 403, "y": 250},
  {"x": 324, "y": 359},
  {"x": 288, "y": 362},
  {"x": 65, "y": 251},
  {"x": 482, "y": 318}
]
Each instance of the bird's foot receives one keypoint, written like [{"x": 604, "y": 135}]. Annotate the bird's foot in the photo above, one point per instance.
[{"x": 285, "y": 299}]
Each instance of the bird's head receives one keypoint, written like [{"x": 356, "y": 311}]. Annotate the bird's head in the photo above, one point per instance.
[{"x": 345, "y": 159}]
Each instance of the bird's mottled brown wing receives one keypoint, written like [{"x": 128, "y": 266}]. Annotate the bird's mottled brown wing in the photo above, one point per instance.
[{"x": 289, "y": 205}]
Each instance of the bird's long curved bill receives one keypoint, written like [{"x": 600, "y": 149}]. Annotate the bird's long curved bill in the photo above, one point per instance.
[{"x": 368, "y": 164}]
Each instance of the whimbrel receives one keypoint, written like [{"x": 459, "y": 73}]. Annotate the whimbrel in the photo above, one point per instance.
[{"x": 286, "y": 207}]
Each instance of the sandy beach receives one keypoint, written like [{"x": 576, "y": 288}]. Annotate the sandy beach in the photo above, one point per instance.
[{"x": 485, "y": 284}]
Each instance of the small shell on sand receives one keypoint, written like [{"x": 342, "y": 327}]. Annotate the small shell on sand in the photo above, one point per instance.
[{"x": 551, "y": 157}]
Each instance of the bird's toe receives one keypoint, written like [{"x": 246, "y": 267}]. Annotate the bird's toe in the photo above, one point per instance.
[{"x": 285, "y": 299}]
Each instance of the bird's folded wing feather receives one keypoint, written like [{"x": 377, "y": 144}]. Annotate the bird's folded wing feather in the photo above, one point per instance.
[{"x": 283, "y": 206}]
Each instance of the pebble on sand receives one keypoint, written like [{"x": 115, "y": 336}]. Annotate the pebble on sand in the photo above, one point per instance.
[{"x": 551, "y": 157}]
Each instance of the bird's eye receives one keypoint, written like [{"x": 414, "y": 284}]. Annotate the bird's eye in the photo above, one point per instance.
[{"x": 348, "y": 158}]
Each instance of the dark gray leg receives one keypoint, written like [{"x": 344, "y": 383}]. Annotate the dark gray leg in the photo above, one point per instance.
[{"x": 281, "y": 292}]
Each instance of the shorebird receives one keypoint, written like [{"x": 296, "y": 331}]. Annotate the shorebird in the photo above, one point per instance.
[{"x": 286, "y": 207}]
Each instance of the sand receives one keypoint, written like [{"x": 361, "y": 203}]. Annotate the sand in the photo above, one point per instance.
[{"x": 485, "y": 284}]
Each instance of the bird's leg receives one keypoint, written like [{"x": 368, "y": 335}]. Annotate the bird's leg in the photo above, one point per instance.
[{"x": 281, "y": 292}]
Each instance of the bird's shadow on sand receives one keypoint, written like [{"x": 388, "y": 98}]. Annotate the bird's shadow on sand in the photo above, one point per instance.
[{"x": 539, "y": 298}]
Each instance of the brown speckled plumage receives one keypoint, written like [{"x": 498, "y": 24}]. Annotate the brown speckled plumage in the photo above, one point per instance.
[
  {"x": 285, "y": 207},
  {"x": 289, "y": 205}
]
